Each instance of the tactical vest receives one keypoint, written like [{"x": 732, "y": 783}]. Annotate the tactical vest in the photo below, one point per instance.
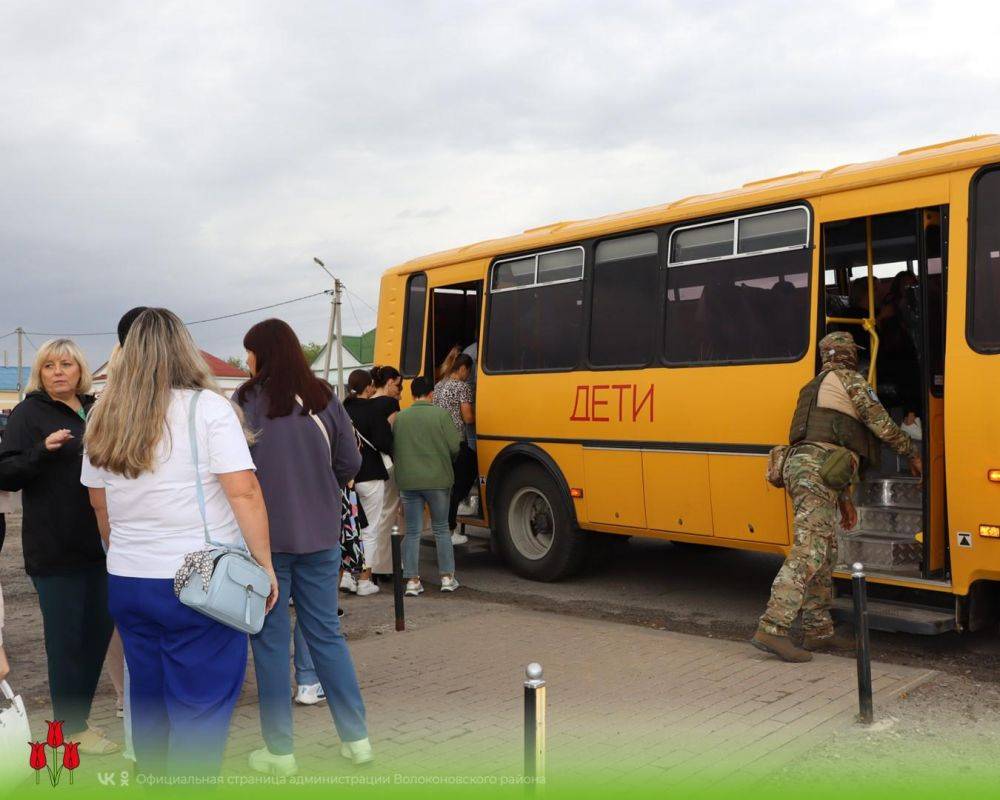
[{"x": 812, "y": 424}]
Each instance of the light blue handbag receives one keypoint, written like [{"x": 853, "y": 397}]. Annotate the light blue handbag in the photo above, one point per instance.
[{"x": 222, "y": 581}]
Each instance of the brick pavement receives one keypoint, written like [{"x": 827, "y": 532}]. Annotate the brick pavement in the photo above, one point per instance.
[{"x": 445, "y": 698}]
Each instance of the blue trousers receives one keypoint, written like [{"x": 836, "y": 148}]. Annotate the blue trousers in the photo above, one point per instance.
[
  {"x": 185, "y": 675},
  {"x": 312, "y": 579},
  {"x": 437, "y": 501}
]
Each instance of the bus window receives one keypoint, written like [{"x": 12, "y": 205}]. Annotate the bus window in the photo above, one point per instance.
[
  {"x": 624, "y": 306},
  {"x": 413, "y": 336},
  {"x": 739, "y": 304},
  {"x": 536, "y": 312},
  {"x": 984, "y": 321}
]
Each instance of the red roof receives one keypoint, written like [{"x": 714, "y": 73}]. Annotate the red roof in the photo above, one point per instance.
[{"x": 221, "y": 369}]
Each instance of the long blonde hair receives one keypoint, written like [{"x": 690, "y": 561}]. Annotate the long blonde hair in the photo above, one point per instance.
[
  {"x": 57, "y": 348},
  {"x": 126, "y": 425},
  {"x": 444, "y": 370}
]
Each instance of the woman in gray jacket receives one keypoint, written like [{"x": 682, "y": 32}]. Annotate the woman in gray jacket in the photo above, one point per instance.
[{"x": 305, "y": 452}]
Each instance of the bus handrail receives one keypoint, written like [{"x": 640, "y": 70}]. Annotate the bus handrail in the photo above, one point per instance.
[{"x": 868, "y": 323}]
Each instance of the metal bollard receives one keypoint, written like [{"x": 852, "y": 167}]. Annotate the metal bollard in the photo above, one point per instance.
[
  {"x": 397, "y": 576},
  {"x": 534, "y": 728},
  {"x": 862, "y": 647}
]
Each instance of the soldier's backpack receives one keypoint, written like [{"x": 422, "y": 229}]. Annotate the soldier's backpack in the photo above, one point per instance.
[{"x": 776, "y": 466}]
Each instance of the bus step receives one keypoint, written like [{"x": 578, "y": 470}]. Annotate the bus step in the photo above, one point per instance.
[
  {"x": 879, "y": 550},
  {"x": 899, "y": 492},
  {"x": 886, "y": 615},
  {"x": 890, "y": 520}
]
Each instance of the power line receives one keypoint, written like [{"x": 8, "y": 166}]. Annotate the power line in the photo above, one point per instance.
[
  {"x": 361, "y": 300},
  {"x": 361, "y": 328},
  {"x": 194, "y": 322}
]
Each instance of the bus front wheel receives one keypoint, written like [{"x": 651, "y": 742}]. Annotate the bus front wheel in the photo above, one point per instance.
[{"x": 535, "y": 526}]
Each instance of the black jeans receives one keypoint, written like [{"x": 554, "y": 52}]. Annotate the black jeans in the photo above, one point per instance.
[
  {"x": 3, "y": 530},
  {"x": 466, "y": 473},
  {"x": 77, "y": 627}
]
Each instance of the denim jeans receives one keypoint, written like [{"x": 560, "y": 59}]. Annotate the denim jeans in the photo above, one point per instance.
[
  {"x": 305, "y": 670},
  {"x": 312, "y": 579},
  {"x": 413, "y": 512}
]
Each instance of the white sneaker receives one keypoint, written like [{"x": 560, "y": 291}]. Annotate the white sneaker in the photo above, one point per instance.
[
  {"x": 458, "y": 538},
  {"x": 360, "y": 752},
  {"x": 366, "y": 587},
  {"x": 413, "y": 588},
  {"x": 348, "y": 583},
  {"x": 265, "y": 761},
  {"x": 310, "y": 694},
  {"x": 449, "y": 583}
]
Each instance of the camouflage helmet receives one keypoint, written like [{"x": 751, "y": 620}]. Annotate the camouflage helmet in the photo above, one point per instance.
[{"x": 838, "y": 350}]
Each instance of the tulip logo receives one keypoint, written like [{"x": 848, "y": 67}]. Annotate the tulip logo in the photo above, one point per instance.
[{"x": 55, "y": 741}]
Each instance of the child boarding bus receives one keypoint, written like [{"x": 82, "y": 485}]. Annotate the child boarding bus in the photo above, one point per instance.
[{"x": 634, "y": 370}]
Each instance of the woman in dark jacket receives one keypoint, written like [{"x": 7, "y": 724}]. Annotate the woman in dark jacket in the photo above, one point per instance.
[
  {"x": 372, "y": 425},
  {"x": 305, "y": 451},
  {"x": 42, "y": 456}
]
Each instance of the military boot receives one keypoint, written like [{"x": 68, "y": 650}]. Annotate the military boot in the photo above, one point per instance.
[
  {"x": 838, "y": 640},
  {"x": 781, "y": 646}
]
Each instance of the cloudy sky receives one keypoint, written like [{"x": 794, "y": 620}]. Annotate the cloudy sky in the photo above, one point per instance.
[{"x": 198, "y": 155}]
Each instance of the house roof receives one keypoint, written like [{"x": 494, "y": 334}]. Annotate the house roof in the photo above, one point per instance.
[
  {"x": 223, "y": 369},
  {"x": 219, "y": 368},
  {"x": 8, "y": 378},
  {"x": 360, "y": 348}
]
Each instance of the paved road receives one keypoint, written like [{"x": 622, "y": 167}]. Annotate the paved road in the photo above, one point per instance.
[{"x": 702, "y": 590}]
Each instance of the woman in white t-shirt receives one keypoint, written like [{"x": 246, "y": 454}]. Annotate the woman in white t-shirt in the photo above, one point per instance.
[{"x": 185, "y": 669}]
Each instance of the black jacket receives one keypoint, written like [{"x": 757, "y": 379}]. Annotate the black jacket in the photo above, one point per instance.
[
  {"x": 60, "y": 533},
  {"x": 370, "y": 421}
]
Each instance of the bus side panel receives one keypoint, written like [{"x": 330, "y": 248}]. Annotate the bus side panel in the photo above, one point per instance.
[
  {"x": 614, "y": 487},
  {"x": 389, "y": 334},
  {"x": 744, "y": 505},
  {"x": 972, "y": 430},
  {"x": 678, "y": 492}
]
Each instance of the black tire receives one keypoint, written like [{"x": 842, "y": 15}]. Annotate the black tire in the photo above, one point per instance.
[{"x": 535, "y": 528}]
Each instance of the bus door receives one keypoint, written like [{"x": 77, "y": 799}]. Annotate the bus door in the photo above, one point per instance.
[
  {"x": 885, "y": 284},
  {"x": 455, "y": 314}
]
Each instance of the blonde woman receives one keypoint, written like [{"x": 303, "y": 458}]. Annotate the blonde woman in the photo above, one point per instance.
[
  {"x": 185, "y": 670},
  {"x": 41, "y": 455}
]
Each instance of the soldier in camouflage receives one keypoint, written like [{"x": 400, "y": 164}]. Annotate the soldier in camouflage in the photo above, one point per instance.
[{"x": 805, "y": 581}]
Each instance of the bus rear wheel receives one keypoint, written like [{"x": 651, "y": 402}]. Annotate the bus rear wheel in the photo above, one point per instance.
[{"x": 535, "y": 527}]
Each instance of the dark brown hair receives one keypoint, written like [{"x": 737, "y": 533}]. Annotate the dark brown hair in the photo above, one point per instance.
[
  {"x": 382, "y": 375},
  {"x": 358, "y": 381},
  {"x": 282, "y": 371}
]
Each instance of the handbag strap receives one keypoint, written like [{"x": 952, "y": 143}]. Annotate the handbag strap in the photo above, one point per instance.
[
  {"x": 361, "y": 436},
  {"x": 6, "y": 691},
  {"x": 319, "y": 422},
  {"x": 193, "y": 436}
]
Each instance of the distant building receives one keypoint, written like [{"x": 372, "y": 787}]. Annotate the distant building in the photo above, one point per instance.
[
  {"x": 359, "y": 353},
  {"x": 226, "y": 375},
  {"x": 8, "y": 386}
]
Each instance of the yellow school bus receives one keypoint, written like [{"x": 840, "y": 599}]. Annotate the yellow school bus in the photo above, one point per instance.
[{"x": 634, "y": 370}]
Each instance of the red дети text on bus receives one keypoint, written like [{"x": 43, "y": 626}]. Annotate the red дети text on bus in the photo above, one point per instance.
[{"x": 599, "y": 403}]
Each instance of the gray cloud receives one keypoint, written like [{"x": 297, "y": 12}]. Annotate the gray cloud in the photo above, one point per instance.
[{"x": 198, "y": 155}]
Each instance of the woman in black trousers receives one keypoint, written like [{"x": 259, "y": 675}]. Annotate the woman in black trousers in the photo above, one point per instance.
[{"x": 42, "y": 455}]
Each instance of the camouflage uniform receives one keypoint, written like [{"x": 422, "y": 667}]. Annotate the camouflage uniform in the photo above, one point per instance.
[{"x": 805, "y": 581}]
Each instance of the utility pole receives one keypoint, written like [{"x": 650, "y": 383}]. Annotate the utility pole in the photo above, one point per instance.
[
  {"x": 334, "y": 328},
  {"x": 338, "y": 289},
  {"x": 329, "y": 329},
  {"x": 20, "y": 364}
]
